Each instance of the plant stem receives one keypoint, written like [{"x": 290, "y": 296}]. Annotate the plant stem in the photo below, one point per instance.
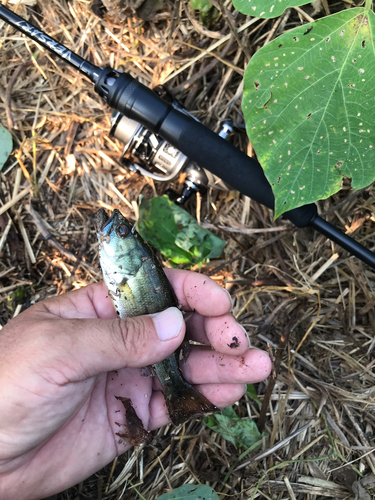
[
  {"x": 140, "y": 494},
  {"x": 368, "y": 4}
]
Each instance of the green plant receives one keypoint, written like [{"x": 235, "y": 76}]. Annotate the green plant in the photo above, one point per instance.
[
  {"x": 175, "y": 233},
  {"x": 309, "y": 103},
  {"x": 203, "y": 5},
  {"x": 6, "y": 145},
  {"x": 240, "y": 432},
  {"x": 191, "y": 492}
]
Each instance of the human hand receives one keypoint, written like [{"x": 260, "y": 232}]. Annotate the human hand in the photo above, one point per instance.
[{"x": 65, "y": 359}]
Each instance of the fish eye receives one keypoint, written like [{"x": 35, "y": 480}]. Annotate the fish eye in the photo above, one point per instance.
[{"x": 122, "y": 230}]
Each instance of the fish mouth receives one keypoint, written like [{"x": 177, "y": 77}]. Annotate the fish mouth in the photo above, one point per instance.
[
  {"x": 104, "y": 221},
  {"x": 101, "y": 219}
]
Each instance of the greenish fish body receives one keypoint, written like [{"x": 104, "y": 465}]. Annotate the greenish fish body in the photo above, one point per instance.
[{"x": 138, "y": 285}]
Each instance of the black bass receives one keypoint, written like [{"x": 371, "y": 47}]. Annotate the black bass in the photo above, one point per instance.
[{"x": 138, "y": 285}]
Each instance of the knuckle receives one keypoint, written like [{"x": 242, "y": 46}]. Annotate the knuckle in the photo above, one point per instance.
[{"x": 132, "y": 334}]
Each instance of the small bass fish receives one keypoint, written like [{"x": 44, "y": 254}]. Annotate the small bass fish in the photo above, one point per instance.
[{"x": 138, "y": 285}]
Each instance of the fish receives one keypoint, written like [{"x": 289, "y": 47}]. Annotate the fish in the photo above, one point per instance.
[{"x": 137, "y": 285}]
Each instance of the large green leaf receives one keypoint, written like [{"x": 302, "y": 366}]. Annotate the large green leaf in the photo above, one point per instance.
[
  {"x": 265, "y": 8},
  {"x": 191, "y": 492},
  {"x": 309, "y": 108},
  {"x": 176, "y": 233},
  {"x": 6, "y": 145},
  {"x": 241, "y": 432}
]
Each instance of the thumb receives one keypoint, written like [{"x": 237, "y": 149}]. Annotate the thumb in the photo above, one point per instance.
[{"x": 93, "y": 346}]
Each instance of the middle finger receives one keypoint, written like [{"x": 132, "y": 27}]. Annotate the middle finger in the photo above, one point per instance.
[{"x": 223, "y": 333}]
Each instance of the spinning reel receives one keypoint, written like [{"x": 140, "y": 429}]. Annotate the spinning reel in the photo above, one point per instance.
[{"x": 150, "y": 155}]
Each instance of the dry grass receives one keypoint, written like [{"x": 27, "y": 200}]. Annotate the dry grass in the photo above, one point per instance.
[{"x": 319, "y": 424}]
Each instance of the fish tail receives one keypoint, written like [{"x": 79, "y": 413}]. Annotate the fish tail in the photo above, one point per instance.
[{"x": 186, "y": 402}]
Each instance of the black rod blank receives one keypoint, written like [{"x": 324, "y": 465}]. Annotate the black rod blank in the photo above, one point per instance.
[
  {"x": 49, "y": 43},
  {"x": 343, "y": 240}
]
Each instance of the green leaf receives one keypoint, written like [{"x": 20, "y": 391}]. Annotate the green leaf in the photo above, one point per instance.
[
  {"x": 6, "y": 145},
  {"x": 203, "y": 5},
  {"x": 318, "y": 123},
  {"x": 251, "y": 392},
  {"x": 191, "y": 492},
  {"x": 265, "y": 8},
  {"x": 240, "y": 432},
  {"x": 175, "y": 233}
]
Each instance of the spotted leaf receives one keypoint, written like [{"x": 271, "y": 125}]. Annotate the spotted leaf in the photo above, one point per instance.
[
  {"x": 265, "y": 8},
  {"x": 309, "y": 108}
]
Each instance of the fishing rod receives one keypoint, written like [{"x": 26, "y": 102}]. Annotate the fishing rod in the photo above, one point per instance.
[{"x": 197, "y": 142}]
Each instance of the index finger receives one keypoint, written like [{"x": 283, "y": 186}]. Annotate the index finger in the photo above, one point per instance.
[
  {"x": 194, "y": 291},
  {"x": 199, "y": 293}
]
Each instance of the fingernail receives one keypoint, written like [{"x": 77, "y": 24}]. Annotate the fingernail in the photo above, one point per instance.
[
  {"x": 245, "y": 332},
  {"x": 168, "y": 323},
  {"x": 230, "y": 297}
]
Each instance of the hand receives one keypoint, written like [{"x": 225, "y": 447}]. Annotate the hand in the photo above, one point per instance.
[{"x": 65, "y": 359}]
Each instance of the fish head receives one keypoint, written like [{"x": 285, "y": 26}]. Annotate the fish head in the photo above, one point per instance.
[
  {"x": 116, "y": 224},
  {"x": 117, "y": 239}
]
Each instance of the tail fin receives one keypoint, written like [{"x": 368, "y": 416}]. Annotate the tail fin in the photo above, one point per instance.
[
  {"x": 182, "y": 399},
  {"x": 186, "y": 403}
]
